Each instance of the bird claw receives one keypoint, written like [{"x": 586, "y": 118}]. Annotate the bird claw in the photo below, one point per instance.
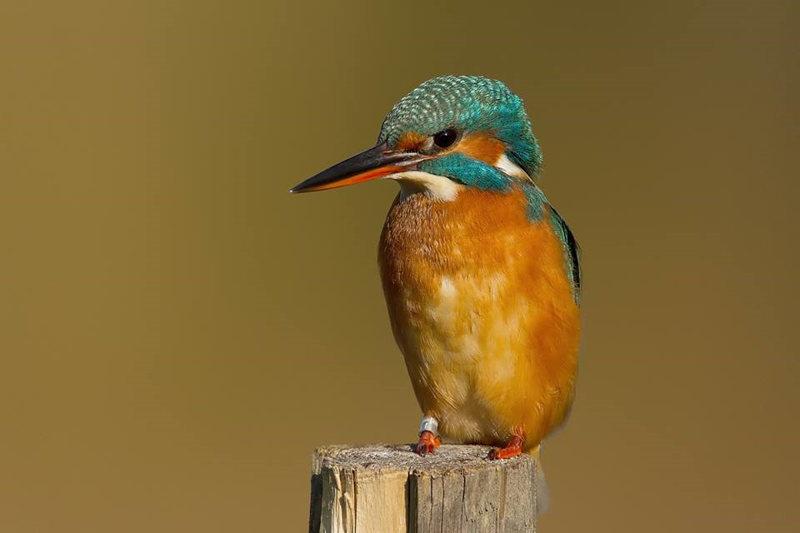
[
  {"x": 512, "y": 449},
  {"x": 427, "y": 444}
]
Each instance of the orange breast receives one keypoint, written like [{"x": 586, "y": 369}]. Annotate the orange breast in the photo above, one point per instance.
[{"x": 482, "y": 310}]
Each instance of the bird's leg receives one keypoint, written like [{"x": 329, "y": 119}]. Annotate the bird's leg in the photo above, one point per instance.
[
  {"x": 512, "y": 449},
  {"x": 428, "y": 436}
]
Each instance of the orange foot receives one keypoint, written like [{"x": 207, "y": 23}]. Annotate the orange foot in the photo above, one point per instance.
[
  {"x": 428, "y": 442},
  {"x": 512, "y": 449}
]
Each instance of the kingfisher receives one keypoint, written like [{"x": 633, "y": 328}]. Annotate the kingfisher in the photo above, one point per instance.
[{"x": 480, "y": 273}]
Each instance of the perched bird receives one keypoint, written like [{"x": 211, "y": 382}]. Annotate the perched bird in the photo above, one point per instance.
[{"x": 480, "y": 272}]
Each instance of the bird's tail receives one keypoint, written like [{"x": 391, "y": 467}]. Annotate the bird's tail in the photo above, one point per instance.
[{"x": 540, "y": 483}]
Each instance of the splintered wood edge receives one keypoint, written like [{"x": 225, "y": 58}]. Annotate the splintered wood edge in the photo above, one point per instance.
[
  {"x": 385, "y": 487},
  {"x": 400, "y": 457}
]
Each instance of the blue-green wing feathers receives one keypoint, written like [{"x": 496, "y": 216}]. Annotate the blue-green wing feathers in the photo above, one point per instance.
[{"x": 571, "y": 250}]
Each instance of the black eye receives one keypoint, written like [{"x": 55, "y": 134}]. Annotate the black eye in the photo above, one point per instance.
[{"x": 445, "y": 138}]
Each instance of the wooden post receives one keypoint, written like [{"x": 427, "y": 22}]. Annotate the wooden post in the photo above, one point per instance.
[{"x": 390, "y": 489}]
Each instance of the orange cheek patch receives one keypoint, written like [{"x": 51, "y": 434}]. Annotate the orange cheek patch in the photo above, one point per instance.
[
  {"x": 482, "y": 147},
  {"x": 410, "y": 142}
]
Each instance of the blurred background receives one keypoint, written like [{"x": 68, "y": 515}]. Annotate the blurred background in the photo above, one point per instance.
[{"x": 178, "y": 333}]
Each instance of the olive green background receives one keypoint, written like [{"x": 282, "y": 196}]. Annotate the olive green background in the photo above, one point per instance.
[{"x": 178, "y": 332}]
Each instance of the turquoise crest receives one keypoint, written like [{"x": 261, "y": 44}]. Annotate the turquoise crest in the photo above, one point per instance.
[{"x": 467, "y": 103}]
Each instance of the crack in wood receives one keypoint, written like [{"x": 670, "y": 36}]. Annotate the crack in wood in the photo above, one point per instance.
[{"x": 388, "y": 488}]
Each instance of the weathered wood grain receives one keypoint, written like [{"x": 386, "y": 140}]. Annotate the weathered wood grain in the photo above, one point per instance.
[{"x": 388, "y": 488}]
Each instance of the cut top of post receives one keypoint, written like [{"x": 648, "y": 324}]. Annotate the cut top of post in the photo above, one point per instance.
[{"x": 389, "y": 488}]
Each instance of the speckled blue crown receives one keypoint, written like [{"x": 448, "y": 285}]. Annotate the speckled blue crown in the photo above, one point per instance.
[{"x": 466, "y": 103}]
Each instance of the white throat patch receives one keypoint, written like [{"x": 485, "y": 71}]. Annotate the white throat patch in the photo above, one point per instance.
[
  {"x": 437, "y": 187},
  {"x": 444, "y": 189}
]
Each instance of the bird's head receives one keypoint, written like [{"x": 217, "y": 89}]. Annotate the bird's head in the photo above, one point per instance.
[{"x": 450, "y": 132}]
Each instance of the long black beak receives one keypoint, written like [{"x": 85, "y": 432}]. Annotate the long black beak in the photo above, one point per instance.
[{"x": 370, "y": 164}]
